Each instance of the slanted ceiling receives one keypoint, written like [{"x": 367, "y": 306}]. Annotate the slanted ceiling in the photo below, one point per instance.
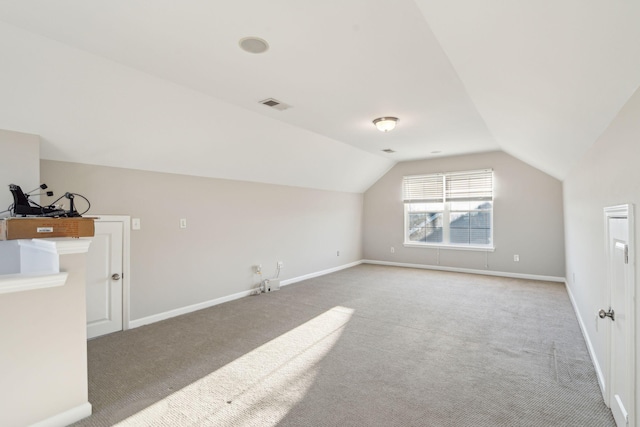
[{"x": 164, "y": 86}]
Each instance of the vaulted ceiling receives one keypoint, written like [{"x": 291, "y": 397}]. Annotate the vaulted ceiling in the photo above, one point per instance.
[{"x": 164, "y": 85}]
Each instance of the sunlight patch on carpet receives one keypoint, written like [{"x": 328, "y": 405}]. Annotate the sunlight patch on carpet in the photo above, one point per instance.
[{"x": 257, "y": 389}]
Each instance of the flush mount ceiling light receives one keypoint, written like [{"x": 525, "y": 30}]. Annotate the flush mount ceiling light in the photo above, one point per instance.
[
  {"x": 385, "y": 124},
  {"x": 254, "y": 45}
]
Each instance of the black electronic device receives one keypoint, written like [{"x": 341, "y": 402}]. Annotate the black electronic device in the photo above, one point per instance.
[{"x": 23, "y": 206}]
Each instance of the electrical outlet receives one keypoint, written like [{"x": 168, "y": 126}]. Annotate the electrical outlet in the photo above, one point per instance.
[
  {"x": 280, "y": 264},
  {"x": 271, "y": 285},
  {"x": 257, "y": 268},
  {"x": 393, "y": 250},
  {"x": 183, "y": 222},
  {"x": 516, "y": 258}
]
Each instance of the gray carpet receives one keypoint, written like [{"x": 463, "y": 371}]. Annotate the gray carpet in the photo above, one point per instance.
[{"x": 367, "y": 346}]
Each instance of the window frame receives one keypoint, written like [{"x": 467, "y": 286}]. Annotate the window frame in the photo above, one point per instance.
[{"x": 446, "y": 212}]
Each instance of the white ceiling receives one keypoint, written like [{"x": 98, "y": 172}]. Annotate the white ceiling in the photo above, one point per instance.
[{"x": 540, "y": 79}]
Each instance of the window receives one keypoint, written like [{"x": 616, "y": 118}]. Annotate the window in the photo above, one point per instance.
[{"x": 452, "y": 209}]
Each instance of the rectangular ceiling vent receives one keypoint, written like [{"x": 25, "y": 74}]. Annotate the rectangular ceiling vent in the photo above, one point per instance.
[{"x": 274, "y": 103}]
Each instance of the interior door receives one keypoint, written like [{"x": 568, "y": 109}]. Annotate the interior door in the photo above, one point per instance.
[
  {"x": 620, "y": 316},
  {"x": 104, "y": 279}
]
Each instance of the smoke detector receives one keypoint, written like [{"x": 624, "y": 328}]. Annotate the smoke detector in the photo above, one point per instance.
[{"x": 274, "y": 103}]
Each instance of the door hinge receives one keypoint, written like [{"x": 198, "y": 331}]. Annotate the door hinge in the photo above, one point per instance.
[
  {"x": 625, "y": 250},
  {"x": 626, "y": 254}
]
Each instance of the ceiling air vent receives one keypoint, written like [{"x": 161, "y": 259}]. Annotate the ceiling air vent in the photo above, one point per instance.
[
  {"x": 274, "y": 103},
  {"x": 388, "y": 150}
]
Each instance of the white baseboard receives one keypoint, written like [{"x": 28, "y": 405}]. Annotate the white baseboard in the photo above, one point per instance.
[
  {"x": 468, "y": 270},
  {"x": 587, "y": 339},
  {"x": 184, "y": 310},
  {"x": 67, "y": 417},
  {"x": 319, "y": 273},
  {"x": 206, "y": 304}
]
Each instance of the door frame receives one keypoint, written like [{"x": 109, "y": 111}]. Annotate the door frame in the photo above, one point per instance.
[
  {"x": 625, "y": 211},
  {"x": 126, "y": 262}
]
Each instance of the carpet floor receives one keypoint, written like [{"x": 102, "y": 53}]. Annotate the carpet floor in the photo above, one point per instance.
[{"x": 366, "y": 346}]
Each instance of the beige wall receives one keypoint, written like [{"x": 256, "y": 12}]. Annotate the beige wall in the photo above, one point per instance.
[
  {"x": 19, "y": 164},
  {"x": 232, "y": 225},
  {"x": 527, "y": 218},
  {"x": 43, "y": 361},
  {"x": 608, "y": 175}
]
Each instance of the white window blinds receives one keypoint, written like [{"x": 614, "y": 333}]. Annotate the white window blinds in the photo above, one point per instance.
[
  {"x": 454, "y": 186},
  {"x": 423, "y": 188},
  {"x": 465, "y": 186}
]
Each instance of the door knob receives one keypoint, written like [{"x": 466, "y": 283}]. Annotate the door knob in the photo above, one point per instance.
[
  {"x": 609, "y": 313},
  {"x": 116, "y": 276}
]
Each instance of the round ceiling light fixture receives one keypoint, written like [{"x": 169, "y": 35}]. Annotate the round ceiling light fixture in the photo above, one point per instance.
[
  {"x": 385, "y": 124},
  {"x": 254, "y": 45}
]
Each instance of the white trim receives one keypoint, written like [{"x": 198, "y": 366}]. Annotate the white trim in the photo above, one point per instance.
[
  {"x": 458, "y": 173},
  {"x": 126, "y": 264},
  {"x": 188, "y": 309},
  {"x": 587, "y": 339},
  {"x": 624, "y": 211},
  {"x": 67, "y": 417},
  {"x": 619, "y": 211},
  {"x": 206, "y": 304},
  {"x": 319, "y": 273},
  {"x": 27, "y": 282},
  {"x": 469, "y": 270},
  {"x": 452, "y": 247},
  {"x": 58, "y": 245}
]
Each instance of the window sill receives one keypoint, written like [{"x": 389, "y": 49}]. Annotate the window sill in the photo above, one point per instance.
[{"x": 451, "y": 247}]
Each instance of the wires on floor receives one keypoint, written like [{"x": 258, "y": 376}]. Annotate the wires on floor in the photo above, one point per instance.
[
  {"x": 278, "y": 268},
  {"x": 263, "y": 284},
  {"x": 260, "y": 287}
]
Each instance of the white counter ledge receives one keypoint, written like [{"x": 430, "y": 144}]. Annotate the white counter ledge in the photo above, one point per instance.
[
  {"x": 35, "y": 264},
  {"x": 43, "y": 313},
  {"x": 27, "y": 282}
]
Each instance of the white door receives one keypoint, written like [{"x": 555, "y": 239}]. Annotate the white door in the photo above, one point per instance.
[
  {"x": 620, "y": 316},
  {"x": 104, "y": 279}
]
